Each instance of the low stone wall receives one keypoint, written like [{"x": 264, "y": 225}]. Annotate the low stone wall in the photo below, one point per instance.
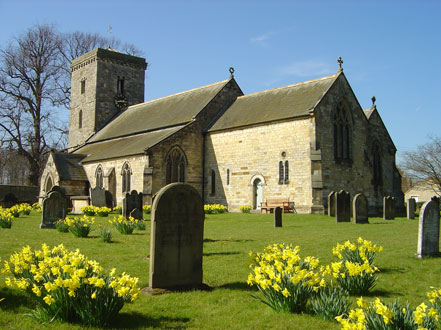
[{"x": 11, "y": 195}]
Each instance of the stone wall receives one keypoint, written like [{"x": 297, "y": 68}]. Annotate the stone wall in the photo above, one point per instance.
[
  {"x": 19, "y": 194},
  {"x": 255, "y": 152}
]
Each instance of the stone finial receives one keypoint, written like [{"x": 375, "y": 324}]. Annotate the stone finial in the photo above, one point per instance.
[
  {"x": 373, "y": 102},
  {"x": 231, "y": 69},
  {"x": 340, "y": 62}
]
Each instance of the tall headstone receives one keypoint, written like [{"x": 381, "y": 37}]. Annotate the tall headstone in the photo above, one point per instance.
[
  {"x": 331, "y": 204},
  {"x": 428, "y": 230},
  {"x": 360, "y": 208},
  {"x": 411, "y": 207},
  {"x": 98, "y": 197},
  {"x": 54, "y": 209},
  {"x": 342, "y": 206},
  {"x": 131, "y": 202},
  {"x": 388, "y": 208},
  {"x": 176, "y": 242},
  {"x": 278, "y": 217}
]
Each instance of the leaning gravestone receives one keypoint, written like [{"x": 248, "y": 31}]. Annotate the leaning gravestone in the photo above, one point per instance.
[
  {"x": 131, "y": 202},
  {"x": 176, "y": 242},
  {"x": 278, "y": 217},
  {"x": 342, "y": 206},
  {"x": 428, "y": 230},
  {"x": 360, "y": 209},
  {"x": 331, "y": 204},
  {"x": 54, "y": 209},
  {"x": 98, "y": 197},
  {"x": 388, "y": 208},
  {"x": 411, "y": 207}
]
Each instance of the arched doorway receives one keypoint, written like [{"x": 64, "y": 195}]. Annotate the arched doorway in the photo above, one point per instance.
[{"x": 257, "y": 194}]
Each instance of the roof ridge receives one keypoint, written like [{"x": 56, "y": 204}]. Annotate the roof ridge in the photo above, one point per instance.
[
  {"x": 179, "y": 93},
  {"x": 291, "y": 85}
]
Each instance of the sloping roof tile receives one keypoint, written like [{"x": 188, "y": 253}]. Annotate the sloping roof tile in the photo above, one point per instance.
[{"x": 69, "y": 166}]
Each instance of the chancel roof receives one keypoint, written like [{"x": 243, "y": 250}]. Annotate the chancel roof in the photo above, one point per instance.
[
  {"x": 275, "y": 104},
  {"x": 69, "y": 166}
]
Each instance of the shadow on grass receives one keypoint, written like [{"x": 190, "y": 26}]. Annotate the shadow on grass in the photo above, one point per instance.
[
  {"x": 393, "y": 270},
  {"x": 382, "y": 293},
  {"x": 137, "y": 320},
  {"x": 220, "y": 254},
  {"x": 15, "y": 300},
  {"x": 243, "y": 286},
  {"x": 210, "y": 240}
]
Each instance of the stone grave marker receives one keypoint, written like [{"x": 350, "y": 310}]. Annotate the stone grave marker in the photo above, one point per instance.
[
  {"x": 278, "y": 217},
  {"x": 360, "y": 208},
  {"x": 428, "y": 229},
  {"x": 388, "y": 208},
  {"x": 109, "y": 199},
  {"x": 176, "y": 242},
  {"x": 342, "y": 206},
  {"x": 98, "y": 196},
  {"x": 54, "y": 208},
  {"x": 411, "y": 207},
  {"x": 130, "y": 202},
  {"x": 331, "y": 204},
  {"x": 136, "y": 214}
]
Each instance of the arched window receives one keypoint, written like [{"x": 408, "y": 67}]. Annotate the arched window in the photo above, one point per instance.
[
  {"x": 213, "y": 182},
  {"x": 286, "y": 180},
  {"x": 281, "y": 172},
  {"x": 99, "y": 177},
  {"x": 49, "y": 184},
  {"x": 342, "y": 133},
  {"x": 175, "y": 166},
  {"x": 228, "y": 176},
  {"x": 80, "y": 119},
  {"x": 126, "y": 173},
  {"x": 377, "y": 172}
]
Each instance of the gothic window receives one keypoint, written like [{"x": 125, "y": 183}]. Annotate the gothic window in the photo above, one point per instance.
[
  {"x": 80, "y": 119},
  {"x": 376, "y": 164},
  {"x": 120, "y": 86},
  {"x": 286, "y": 179},
  {"x": 342, "y": 133},
  {"x": 49, "y": 184},
  {"x": 281, "y": 172},
  {"x": 175, "y": 166},
  {"x": 83, "y": 86},
  {"x": 213, "y": 182},
  {"x": 126, "y": 173},
  {"x": 99, "y": 177},
  {"x": 228, "y": 176}
]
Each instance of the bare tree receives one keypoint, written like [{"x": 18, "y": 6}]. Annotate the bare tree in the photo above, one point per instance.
[{"x": 424, "y": 164}]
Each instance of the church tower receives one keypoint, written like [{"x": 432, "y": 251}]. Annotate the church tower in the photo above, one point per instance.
[{"x": 104, "y": 82}]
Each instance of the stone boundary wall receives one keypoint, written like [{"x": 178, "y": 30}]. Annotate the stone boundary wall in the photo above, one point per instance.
[{"x": 22, "y": 194}]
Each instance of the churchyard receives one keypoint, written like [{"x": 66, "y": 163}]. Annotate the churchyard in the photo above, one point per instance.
[{"x": 228, "y": 240}]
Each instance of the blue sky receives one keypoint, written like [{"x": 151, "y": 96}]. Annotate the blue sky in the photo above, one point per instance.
[{"x": 391, "y": 49}]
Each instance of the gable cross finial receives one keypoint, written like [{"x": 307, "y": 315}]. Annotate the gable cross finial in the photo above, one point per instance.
[
  {"x": 340, "y": 62},
  {"x": 231, "y": 69},
  {"x": 109, "y": 31},
  {"x": 373, "y": 102}
]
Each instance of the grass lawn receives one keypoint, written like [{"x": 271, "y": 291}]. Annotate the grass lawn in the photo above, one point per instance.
[{"x": 228, "y": 240}]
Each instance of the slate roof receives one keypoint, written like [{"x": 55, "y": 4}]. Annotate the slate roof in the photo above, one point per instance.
[
  {"x": 275, "y": 104},
  {"x": 69, "y": 167}
]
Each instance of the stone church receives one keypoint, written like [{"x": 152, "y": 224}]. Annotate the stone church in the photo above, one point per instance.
[{"x": 300, "y": 141}]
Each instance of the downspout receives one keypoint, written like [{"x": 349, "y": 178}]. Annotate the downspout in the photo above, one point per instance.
[{"x": 204, "y": 136}]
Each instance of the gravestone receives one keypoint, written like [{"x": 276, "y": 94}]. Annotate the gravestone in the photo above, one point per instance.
[
  {"x": 428, "y": 229},
  {"x": 360, "y": 208},
  {"x": 331, "y": 204},
  {"x": 411, "y": 207},
  {"x": 109, "y": 199},
  {"x": 136, "y": 214},
  {"x": 54, "y": 209},
  {"x": 98, "y": 196},
  {"x": 342, "y": 206},
  {"x": 388, "y": 208},
  {"x": 278, "y": 217},
  {"x": 176, "y": 242},
  {"x": 130, "y": 202}
]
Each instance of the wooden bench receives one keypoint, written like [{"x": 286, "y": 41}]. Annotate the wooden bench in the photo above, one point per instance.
[{"x": 271, "y": 203}]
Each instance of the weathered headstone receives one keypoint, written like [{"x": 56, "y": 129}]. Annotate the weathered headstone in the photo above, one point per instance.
[
  {"x": 136, "y": 214},
  {"x": 428, "y": 230},
  {"x": 388, "y": 208},
  {"x": 176, "y": 242},
  {"x": 411, "y": 207},
  {"x": 54, "y": 208},
  {"x": 342, "y": 206},
  {"x": 130, "y": 202},
  {"x": 109, "y": 199},
  {"x": 98, "y": 197},
  {"x": 331, "y": 204},
  {"x": 360, "y": 209},
  {"x": 278, "y": 217}
]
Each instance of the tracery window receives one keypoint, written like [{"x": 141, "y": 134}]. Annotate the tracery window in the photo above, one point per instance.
[
  {"x": 377, "y": 172},
  {"x": 99, "y": 177},
  {"x": 286, "y": 179},
  {"x": 342, "y": 133},
  {"x": 175, "y": 166},
  {"x": 80, "y": 119},
  {"x": 281, "y": 172},
  {"x": 126, "y": 174}
]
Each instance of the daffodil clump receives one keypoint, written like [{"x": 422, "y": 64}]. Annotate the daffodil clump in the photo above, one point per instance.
[
  {"x": 103, "y": 211},
  {"x": 89, "y": 210},
  {"x": 117, "y": 209},
  {"x": 68, "y": 286},
  {"x": 147, "y": 208},
  {"x": 355, "y": 272},
  {"x": 285, "y": 280},
  {"x": 80, "y": 227},
  {"x": 36, "y": 207},
  {"x": 434, "y": 296},
  {"x": 123, "y": 225},
  {"x": 214, "y": 208},
  {"x": 378, "y": 316},
  {"x": 23, "y": 208},
  {"x": 5, "y": 218},
  {"x": 245, "y": 208}
]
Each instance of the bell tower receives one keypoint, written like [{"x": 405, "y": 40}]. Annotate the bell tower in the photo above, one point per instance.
[{"x": 104, "y": 82}]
